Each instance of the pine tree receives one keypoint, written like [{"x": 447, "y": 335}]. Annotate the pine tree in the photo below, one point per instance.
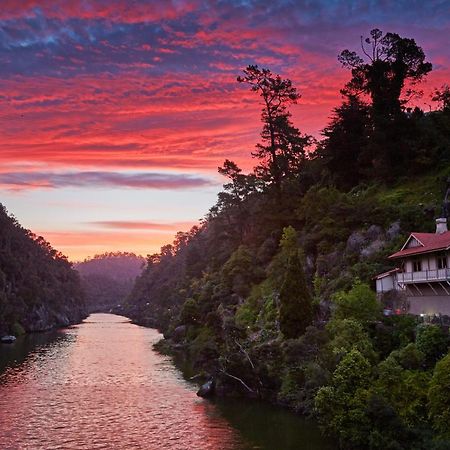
[
  {"x": 295, "y": 300},
  {"x": 282, "y": 152}
]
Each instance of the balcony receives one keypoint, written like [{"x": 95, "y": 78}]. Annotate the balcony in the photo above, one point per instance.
[{"x": 424, "y": 276}]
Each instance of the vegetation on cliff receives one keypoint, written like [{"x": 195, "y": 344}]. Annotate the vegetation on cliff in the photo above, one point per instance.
[
  {"x": 271, "y": 293},
  {"x": 39, "y": 289},
  {"x": 107, "y": 279}
]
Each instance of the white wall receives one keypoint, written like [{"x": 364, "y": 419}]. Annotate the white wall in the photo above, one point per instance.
[
  {"x": 433, "y": 262},
  {"x": 385, "y": 284},
  {"x": 429, "y": 305},
  {"x": 408, "y": 266}
]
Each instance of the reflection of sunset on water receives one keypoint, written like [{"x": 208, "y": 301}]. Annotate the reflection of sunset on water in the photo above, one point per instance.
[{"x": 101, "y": 386}]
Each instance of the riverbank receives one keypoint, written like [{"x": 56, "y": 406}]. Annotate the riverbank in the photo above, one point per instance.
[
  {"x": 100, "y": 385},
  {"x": 361, "y": 364},
  {"x": 42, "y": 319}
]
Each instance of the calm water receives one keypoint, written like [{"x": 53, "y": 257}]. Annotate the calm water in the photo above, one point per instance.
[{"x": 100, "y": 385}]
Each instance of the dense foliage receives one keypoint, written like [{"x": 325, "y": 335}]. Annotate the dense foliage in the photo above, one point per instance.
[
  {"x": 271, "y": 294},
  {"x": 107, "y": 279},
  {"x": 38, "y": 287}
]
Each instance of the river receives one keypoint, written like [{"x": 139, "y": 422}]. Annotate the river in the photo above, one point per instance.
[{"x": 100, "y": 385}]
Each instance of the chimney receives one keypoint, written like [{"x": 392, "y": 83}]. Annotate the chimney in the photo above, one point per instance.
[{"x": 441, "y": 225}]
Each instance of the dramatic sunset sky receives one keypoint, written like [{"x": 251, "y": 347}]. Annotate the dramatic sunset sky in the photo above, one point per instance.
[{"x": 115, "y": 114}]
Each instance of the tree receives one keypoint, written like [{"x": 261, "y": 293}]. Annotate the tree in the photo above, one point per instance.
[
  {"x": 231, "y": 201},
  {"x": 439, "y": 397},
  {"x": 390, "y": 62},
  {"x": 346, "y": 137},
  {"x": 282, "y": 150},
  {"x": 190, "y": 313},
  {"x": 288, "y": 247},
  {"x": 238, "y": 272},
  {"x": 432, "y": 341},
  {"x": 296, "y": 310},
  {"x": 240, "y": 185},
  {"x": 342, "y": 405},
  {"x": 38, "y": 286},
  {"x": 387, "y": 72},
  {"x": 295, "y": 301},
  {"x": 405, "y": 390},
  {"x": 442, "y": 97},
  {"x": 346, "y": 335},
  {"x": 358, "y": 303}
]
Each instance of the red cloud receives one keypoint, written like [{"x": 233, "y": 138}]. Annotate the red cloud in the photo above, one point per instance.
[
  {"x": 113, "y": 10},
  {"x": 138, "y": 122}
]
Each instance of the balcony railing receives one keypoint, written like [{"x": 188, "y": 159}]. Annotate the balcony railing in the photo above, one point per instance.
[{"x": 423, "y": 276}]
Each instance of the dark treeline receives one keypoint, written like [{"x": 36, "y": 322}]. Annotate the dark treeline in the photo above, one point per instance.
[
  {"x": 107, "y": 279},
  {"x": 39, "y": 290},
  {"x": 271, "y": 294}
]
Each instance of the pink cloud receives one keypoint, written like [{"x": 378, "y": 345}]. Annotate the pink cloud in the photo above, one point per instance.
[{"x": 114, "y": 10}]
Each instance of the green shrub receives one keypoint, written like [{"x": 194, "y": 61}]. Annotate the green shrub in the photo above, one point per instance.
[
  {"x": 17, "y": 329},
  {"x": 439, "y": 397},
  {"x": 432, "y": 341},
  {"x": 246, "y": 315},
  {"x": 358, "y": 303}
]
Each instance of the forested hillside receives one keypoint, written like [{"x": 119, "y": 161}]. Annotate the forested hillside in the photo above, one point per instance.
[
  {"x": 271, "y": 295},
  {"x": 107, "y": 279},
  {"x": 39, "y": 290}
]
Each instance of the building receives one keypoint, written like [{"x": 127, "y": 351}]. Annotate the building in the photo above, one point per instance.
[{"x": 421, "y": 281}]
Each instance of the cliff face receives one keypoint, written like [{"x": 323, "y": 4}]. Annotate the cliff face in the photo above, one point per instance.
[
  {"x": 39, "y": 290},
  {"x": 43, "y": 317}
]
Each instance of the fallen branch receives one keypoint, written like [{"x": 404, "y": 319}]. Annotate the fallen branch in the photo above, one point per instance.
[
  {"x": 249, "y": 360},
  {"x": 238, "y": 379},
  {"x": 245, "y": 353}
]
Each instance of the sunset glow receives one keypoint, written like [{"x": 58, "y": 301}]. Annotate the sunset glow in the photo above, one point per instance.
[{"x": 115, "y": 115}]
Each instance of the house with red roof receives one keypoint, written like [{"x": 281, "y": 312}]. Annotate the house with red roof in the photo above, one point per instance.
[{"x": 422, "y": 274}]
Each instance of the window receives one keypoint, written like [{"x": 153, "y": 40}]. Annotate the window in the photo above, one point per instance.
[
  {"x": 442, "y": 262},
  {"x": 417, "y": 265}
]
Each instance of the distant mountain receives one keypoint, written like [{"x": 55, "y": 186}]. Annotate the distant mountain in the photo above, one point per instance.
[
  {"x": 39, "y": 290},
  {"x": 108, "y": 278}
]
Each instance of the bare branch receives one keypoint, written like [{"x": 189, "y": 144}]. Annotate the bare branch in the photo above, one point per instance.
[
  {"x": 245, "y": 353},
  {"x": 364, "y": 50},
  {"x": 238, "y": 379}
]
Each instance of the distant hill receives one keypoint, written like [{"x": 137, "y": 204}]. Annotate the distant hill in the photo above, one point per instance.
[
  {"x": 39, "y": 290},
  {"x": 108, "y": 278}
]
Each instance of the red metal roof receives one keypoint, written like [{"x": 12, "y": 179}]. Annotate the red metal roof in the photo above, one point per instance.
[
  {"x": 430, "y": 242},
  {"x": 385, "y": 274}
]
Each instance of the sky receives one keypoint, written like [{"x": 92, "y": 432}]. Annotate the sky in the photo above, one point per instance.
[{"x": 115, "y": 114}]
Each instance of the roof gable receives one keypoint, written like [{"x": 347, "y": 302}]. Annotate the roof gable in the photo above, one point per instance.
[
  {"x": 429, "y": 242},
  {"x": 412, "y": 242}
]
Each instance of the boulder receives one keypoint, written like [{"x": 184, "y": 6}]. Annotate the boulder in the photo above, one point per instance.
[
  {"x": 372, "y": 248},
  {"x": 355, "y": 242},
  {"x": 207, "y": 390},
  {"x": 374, "y": 233},
  {"x": 179, "y": 333},
  {"x": 394, "y": 230}
]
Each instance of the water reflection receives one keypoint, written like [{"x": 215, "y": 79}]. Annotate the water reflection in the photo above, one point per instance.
[{"x": 100, "y": 386}]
